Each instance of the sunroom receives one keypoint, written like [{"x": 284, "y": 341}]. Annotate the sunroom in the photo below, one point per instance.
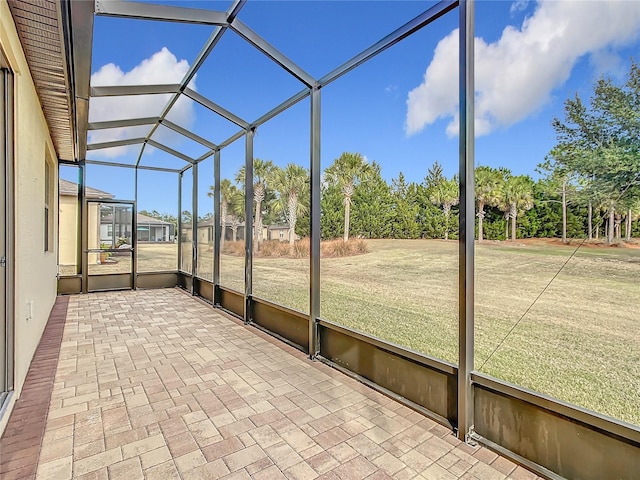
[{"x": 272, "y": 230}]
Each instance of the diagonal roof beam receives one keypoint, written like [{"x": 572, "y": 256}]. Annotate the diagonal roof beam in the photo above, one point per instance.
[
  {"x": 223, "y": 112},
  {"x": 126, "y": 165},
  {"x": 170, "y": 150},
  {"x": 270, "y": 51},
  {"x": 234, "y": 9},
  {"x": 167, "y": 13},
  {"x": 205, "y": 155},
  {"x": 211, "y": 42},
  {"x": 282, "y": 107},
  {"x": 188, "y": 134},
  {"x": 233, "y": 138},
  {"x": 224, "y": 144},
  {"x": 129, "y": 122},
  {"x": 121, "y": 90},
  {"x": 394, "y": 37},
  {"x": 115, "y": 143}
]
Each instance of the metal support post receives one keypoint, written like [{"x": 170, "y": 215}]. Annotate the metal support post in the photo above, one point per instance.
[
  {"x": 219, "y": 226},
  {"x": 314, "y": 286},
  {"x": 79, "y": 201},
  {"x": 194, "y": 227},
  {"x": 248, "y": 229},
  {"x": 179, "y": 232},
  {"x": 134, "y": 235},
  {"x": 84, "y": 227},
  {"x": 467, "y": 225}
]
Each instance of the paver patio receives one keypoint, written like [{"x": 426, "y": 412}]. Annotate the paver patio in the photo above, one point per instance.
[{"x": 156, "y": 384}]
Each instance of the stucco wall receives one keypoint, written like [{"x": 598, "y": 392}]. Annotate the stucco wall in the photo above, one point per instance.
[
  {"x": 68, "y": 230},
  {"x": 93, "y": 220},
  {"x": 35, "y": 269}
]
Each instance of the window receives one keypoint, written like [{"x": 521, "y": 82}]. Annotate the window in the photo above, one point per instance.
[{"x": 48, "y": 204}]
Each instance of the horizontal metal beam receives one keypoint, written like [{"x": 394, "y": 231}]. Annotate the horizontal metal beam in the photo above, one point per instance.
[
  {"x": 115, "y": 143},
  {"x": 421, "y": 358},
  {"x": 232, "y": 138},
  {"x": 170, "y": 150},
  {"x": 204, "y": 156},
  {"x": 166, "y": 13},
  {"x": 214, "y": 107},
  {"x": 574, "y": 412},
  {"x": 282, "y": 107},
  {"x": 123, "y": 165},
  {"x": 188, "y": 134},
  {"x": 407, "y": 29},
  {"x": 123, "y": 90},
  {"x": 130, "y": 122},
  {"x": 387, "y": 392},
  {"x": 270, "y": 51}
]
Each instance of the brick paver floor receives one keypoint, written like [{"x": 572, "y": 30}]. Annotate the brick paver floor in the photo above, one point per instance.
[
  {"x": 21, "y": 441},
  {"x": 155, "y": 384}
]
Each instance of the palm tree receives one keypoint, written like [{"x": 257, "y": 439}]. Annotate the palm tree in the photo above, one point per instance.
[
  {"x": 236, "y": 211},
  {"x": 488, "y": 183},
  {"x": 347, "y": 171},
  {"x": 516, "y": 198},
  {"x": 446, "y": 194},
  {"x": 226, "y": 191},
  {"x": 261, "y": 172},
  {"x": 292, "y": 185}
]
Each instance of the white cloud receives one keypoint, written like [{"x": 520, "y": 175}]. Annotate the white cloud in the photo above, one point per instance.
[
  {"x": 516, "y": 75},
  {"x": 518, "y": 6},
  {"x": 161, "y": 68}
]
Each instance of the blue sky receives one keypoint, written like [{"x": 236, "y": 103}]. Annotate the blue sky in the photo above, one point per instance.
[{"x": 398, "y": 109}]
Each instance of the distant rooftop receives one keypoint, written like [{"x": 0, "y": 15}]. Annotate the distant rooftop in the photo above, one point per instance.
[{"x": 70, "y": 188}]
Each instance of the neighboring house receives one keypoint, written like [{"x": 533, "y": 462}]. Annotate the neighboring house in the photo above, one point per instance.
[
  {"x": 269, "y": 232},
  {"x": 106, "y": 230},
  {"x": 239, "y": 234},
  {"x": 280, "y": 232},
  {"x": 205, "y": 231},
  {"x": 115, "y": 226},
  {"x": 154, "y": 230},
  {"x": 69, "y": 217}
]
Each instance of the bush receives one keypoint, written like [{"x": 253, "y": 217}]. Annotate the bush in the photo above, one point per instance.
[
  {"x": 340, "y": 248},
  {"x": 233, "y": 248},
  {"x": 274, "y": 248},
  {"x": 301, "y": 248}
]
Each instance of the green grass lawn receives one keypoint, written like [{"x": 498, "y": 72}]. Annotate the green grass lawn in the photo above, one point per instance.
[{"x": 579, "y": 341}]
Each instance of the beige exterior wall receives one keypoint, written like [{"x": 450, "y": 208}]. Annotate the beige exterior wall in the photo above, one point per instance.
[
  {"x": 93, "y": 221},
  {"x": 68, "y": 230},
  {"x": 68, "y": 224},
  {"x": 35, "y": 269},
  {"x": 203, "y": 234}
]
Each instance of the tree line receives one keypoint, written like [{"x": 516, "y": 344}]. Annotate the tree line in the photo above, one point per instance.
[{"x": 589, "y": 186}]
